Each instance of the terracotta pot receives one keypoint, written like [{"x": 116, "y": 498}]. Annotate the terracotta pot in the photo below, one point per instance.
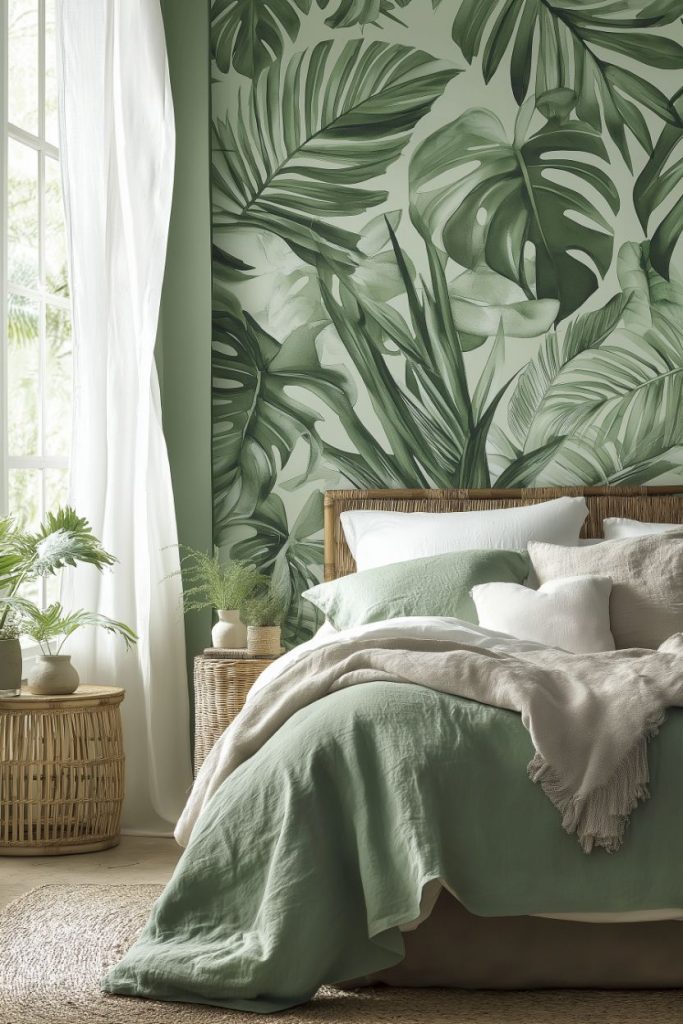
[
  {"x": 10, "y": 668},
  {"x": 53, "y": 674},
  {"x": 229, "y": 632},
  {"x": 264, "y": 641}
]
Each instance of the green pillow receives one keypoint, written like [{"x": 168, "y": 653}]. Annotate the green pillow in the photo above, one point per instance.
[{"x": 439, "y": 585}]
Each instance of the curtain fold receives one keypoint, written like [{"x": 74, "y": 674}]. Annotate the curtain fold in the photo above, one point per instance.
[{"x": 117, "y": 141}]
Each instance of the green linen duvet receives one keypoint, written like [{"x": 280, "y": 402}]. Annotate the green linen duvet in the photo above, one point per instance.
[{"x": 311, "y": 854}]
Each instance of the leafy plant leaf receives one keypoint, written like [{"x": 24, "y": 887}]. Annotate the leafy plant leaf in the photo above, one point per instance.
[
  {"x": 570, "y": 39},
  {"x": 481, "y": 198},
  {"x": 657, "y": 183},
  {"x": 290, "y": 556},
  {"x": 251, "y": 34},
  {"x": 53, "y": 623},
  {"x": 361, "y": 12},
  {"x": 606, "y": 395},
  {"x": 588, "y": 331},
  {"x": 256, "y": 420},
  {"x": 311, "y": 132},
  {"x": 481, "y": 300}
]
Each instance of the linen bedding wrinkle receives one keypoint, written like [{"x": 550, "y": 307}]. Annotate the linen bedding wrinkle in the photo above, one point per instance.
[
  {"x": 345, "y": 813},
  {"x": 589, "y": 716}
]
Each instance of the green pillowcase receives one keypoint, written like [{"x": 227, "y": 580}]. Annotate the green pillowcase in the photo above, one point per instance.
[{"x": 439, "y": 585}]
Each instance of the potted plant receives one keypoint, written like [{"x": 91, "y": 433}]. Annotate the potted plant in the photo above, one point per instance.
[
  {"x": 10, "y": 658},
  {"x": 52, "y": 671},
  {"x": 209, "y": 583},
  {"x": 263, "y": 614},
  {"x": 63, "y": 539}
]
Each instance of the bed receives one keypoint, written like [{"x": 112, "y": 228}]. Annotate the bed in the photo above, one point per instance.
[
  {"x": 452, "y": 947},
  {"x": 505, "y": 900}
]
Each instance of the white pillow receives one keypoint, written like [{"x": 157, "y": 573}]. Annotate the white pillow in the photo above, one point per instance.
[
  {"x": 618, "y": 529},
  {"x": 381, "y": 538},
  {"x": 571, "y": 613}
]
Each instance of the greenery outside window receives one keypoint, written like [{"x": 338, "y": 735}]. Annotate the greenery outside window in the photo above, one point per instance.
[{"x": 35, "y": 309}]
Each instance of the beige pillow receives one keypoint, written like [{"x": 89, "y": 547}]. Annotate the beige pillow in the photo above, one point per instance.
[{"x": 646, "y": 604}]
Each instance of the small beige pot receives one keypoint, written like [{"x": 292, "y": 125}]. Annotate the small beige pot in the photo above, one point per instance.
[
  {"x": 229, "y": 632},
  {"x": 10, "y": 668},
  {"x": 264, "y": 641},
  {"x": 53, "y": 675}
]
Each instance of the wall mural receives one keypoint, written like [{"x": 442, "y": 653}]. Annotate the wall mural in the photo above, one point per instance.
[{"x": 445, "y": 237}]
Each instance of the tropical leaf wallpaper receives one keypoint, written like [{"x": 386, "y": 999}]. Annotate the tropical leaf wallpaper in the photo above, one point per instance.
[{"x": 445, "y": 253}]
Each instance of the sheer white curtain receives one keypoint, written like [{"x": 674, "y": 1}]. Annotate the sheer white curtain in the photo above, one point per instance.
[{"x": 117, "y": 142}]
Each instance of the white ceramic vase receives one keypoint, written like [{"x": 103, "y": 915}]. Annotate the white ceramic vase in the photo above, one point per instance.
[
  {"x": 229, "y": 632},
  {"x": 53, "y": 675},
  {"x": 10, "y": 668}
]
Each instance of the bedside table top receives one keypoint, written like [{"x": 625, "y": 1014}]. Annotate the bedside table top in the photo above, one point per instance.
[
  {"x": 86, "y": 694},
  {"x": 236, "y": 654}
]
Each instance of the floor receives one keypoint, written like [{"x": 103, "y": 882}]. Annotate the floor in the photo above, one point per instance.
[{"x": 135, "y": 859}]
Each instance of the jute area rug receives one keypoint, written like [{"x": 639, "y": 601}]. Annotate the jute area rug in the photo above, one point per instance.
[{"x": 57, "y": 941}]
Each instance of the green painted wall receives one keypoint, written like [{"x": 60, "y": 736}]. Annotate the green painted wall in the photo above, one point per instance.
[{"x": 184, "y": 347}]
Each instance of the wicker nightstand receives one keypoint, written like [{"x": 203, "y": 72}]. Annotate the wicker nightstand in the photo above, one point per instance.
[
  {"x": 61, "y": 772},
  {"x": 222, "y": 680}
]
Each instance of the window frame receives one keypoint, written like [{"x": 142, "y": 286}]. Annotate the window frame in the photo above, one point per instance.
[{"x": 38, "y": 295}]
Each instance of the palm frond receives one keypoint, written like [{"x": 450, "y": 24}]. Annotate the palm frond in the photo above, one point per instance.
[
  {"x": 53, "y": 622},
  {"x": 311, "y": 131}
]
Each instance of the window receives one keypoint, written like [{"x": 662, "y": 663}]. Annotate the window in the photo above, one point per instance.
[{"x": 35, "y": 319}]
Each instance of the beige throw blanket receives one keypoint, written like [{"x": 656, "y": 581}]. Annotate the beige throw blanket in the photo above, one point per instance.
[{"x": 589, "y": 716}]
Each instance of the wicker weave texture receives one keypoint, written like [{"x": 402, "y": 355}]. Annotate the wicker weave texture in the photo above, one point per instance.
[
  {"x": 220, "y": 690},
  {"x": 61, "y": 775},
  {"x": 649, "y": 504}
]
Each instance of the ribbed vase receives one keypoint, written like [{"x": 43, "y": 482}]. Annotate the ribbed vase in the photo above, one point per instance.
[{"x": 263, "y": 641}]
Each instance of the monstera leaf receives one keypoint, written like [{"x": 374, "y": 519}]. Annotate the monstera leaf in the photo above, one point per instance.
[
  {"x": 361, "y": 12},
  {"x": 655, "y": 301},
  {"x": 311, "y": 131},
  {"x": 255, "y": 417},
  {"x": 482, "y": 300},
  {"x": 657, "y": 184},
  {"x": 481, "y": 197},
  {"x": 251, "y": 34},
  {"x": 291, "y": 556},
  {"x": 568, "y": 37}
]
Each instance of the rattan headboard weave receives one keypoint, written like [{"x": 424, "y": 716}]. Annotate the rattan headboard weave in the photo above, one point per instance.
[{"x": 649, "y": 504}]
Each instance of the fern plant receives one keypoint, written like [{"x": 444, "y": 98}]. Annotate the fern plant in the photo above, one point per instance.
[
  {"x": 209, "y": 583},
  {"x": 267, "y": 608}
]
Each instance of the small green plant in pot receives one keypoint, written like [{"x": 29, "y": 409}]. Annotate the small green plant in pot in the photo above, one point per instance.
[
  {"x": 263, "y": 614},
  {"x": 63, "y": 539},
  {"x": 209, "y": 583},
  {"x": 52, "y": 671}
]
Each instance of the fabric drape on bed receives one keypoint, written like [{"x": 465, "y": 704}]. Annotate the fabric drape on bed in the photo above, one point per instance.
[{"x": 117, "y": 141}]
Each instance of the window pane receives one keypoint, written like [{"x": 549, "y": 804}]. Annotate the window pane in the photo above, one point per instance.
[
  {"x": 58, "y": 381},
  {"x": 22, "y": 214},
  {"x": 23, "y": 64},
  {"x": 51, "y": 131},
  {"x": 23, "y": 362},
  {"x": 25, "y": 487},
  {"x": 56, "y": 488},
  {"x": 55, "y": 232}
]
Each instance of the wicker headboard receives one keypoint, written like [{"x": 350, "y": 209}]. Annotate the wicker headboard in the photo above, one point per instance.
[{"x": 649, "y": 504}]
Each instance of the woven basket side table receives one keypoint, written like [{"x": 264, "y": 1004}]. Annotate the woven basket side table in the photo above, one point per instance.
[
  {"x": 61, "y": 772},
  {"x": 222, "y": 680}
]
